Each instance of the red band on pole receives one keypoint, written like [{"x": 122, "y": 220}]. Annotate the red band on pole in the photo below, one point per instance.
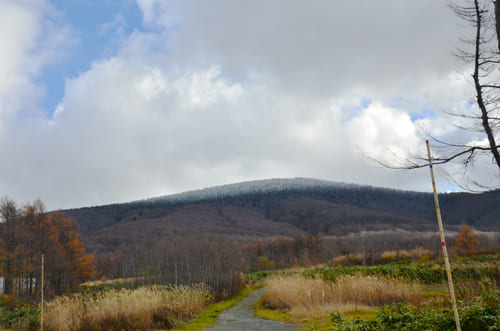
[{"x": 443, "y": 243}]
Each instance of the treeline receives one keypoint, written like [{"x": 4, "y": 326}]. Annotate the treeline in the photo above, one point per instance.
[
  {"x": 364, "y": 248},
  {"x": 308, "y": 250},
  {"x": 219, "y": 264},
  {"x": 178, "y": 260},
  {"x": 28, "y": 232}
]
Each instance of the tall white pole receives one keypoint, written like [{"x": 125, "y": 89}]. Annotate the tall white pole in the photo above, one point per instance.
[
  {"x": 443, "y": 243},
  {"x": 41, "y": 315}
]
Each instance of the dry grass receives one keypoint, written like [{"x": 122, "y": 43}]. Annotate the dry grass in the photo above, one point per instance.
[
  {"x": 140, "y": 309},
  {"x": 112, "y": 281},
  {"x": 417, "y": 253},
  {"x": 306, "y": 297},
  {"x": 385, "y": 256}
]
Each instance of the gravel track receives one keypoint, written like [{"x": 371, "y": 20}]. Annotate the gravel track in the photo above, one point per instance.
[{"x": 242, "y": 317}]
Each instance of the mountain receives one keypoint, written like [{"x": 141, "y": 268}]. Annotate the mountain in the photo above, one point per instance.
[{"x": 283, "y": 207}]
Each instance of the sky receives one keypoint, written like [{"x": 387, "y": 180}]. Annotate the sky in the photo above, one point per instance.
[{"x": 105, "y": 101}]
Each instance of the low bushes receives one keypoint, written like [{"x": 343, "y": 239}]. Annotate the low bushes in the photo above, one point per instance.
[
  {"x": 423, "y": 274},
  {"x": 25, "y": 318},
  {"x": 357, "y": 293},
  {"x": 482, "y": 313}
]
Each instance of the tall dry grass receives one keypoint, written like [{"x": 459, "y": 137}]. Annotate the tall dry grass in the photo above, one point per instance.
[
  {"x": 140, "y": 309},
  {"x": 316, "y": 297}
]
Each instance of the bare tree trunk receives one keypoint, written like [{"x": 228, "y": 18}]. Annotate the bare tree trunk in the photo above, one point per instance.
[
  {"x": 497, "y": 21},
  {"x": 477, "y": 84}
]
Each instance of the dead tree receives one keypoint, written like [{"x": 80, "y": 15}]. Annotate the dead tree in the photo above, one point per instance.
[{"x": 483, "y": 117}]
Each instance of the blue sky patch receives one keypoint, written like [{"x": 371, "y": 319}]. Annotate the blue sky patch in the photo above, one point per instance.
[
  {"x": 424, "y": 113},
  {"x": 365, "y": 102},
  {"x": 353, "y": 111},
  {"x": 96, "y": 37},
  {"x": 451, "y": 189}
]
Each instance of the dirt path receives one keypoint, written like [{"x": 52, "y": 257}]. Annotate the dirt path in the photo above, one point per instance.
[{"x": 241, "y": 317}]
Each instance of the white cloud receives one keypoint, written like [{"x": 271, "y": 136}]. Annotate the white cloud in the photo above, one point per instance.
[
  {"x": 204, "y": 89},
  {"x": 30, "y": 41},
  {"x": 158, "y": 12},
  {"x": 383, "y": 132},
  {"x": 221, "y": 91},
  {"x": 18, "y": 32},
  {"x": 321, "y": 47}
]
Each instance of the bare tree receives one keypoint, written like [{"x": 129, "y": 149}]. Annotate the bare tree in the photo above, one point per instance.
[
  {"x": 481, "y": 51},
  {"x": 497, "y": 21},
  {"x": 486, "y": 60}
]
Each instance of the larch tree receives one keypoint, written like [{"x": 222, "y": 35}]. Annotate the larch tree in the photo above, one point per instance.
[
  {"x": 467, "y": 241},
  {"x": 27, "y": 233},
  {"x": 10, "y": 215}
]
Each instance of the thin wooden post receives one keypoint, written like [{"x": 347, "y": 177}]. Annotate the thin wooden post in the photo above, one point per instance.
[
  {"x": 41, "y": 310},
  {"x": 443, "y": 243}
]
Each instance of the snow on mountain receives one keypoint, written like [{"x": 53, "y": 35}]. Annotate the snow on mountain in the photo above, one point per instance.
[{"x": 251, "y": 187}]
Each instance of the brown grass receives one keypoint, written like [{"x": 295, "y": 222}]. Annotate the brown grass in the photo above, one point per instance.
[
  {"x": 315, "y": 297},
  {"x": 385, "y": 256},
  {"x": 140, "y": 309},
  {"x": 113, "y": 281}
]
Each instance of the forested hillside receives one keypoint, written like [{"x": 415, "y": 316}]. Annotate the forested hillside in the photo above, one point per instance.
[{"x": 284, "y": 207}]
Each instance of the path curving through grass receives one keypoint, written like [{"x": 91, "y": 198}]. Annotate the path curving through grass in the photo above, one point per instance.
[{"x": 242, "y": 317}]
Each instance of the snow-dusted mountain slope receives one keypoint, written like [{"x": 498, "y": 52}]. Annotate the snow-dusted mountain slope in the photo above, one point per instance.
[
  {"x": 252, "y": 187},
  {"x": 286, "y": 207}
]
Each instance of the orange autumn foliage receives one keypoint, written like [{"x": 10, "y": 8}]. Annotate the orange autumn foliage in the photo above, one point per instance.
[
  {"x": 467, "y": 241},
  {"x": 27, "y": 233}
]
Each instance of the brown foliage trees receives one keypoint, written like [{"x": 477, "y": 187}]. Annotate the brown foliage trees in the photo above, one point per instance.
[
  {"x": 467, "y": 241},
  {"x": 27, "y": 233}
]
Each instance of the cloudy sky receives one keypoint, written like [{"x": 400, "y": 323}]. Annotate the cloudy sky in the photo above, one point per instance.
[{"x": 115, "y": 100}]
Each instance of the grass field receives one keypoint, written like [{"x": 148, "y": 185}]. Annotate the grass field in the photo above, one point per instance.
[
  {"x": 145, "y": 308},
  {"x": 408, "y": 295}
]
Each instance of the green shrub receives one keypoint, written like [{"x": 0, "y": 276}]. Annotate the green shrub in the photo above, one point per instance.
[
  {"x": 423, "y": 274},
  {"x": 483, "y": 313},
  {"x": 257, "y": 275},
  {"x": 23, "y": 318}
]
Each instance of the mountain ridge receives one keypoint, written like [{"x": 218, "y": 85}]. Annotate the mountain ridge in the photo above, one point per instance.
[
  {"x": 249, "y": 187},
  {"x": 284, "y": 207}
]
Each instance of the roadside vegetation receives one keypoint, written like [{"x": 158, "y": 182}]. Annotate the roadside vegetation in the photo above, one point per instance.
[
  {"x": 144, "y": 308},
  {"x": 117, "y": 306},
  {"x": 403, "y": 295},
  {"x": 305, "y": 297},
  {"x": 481, "y": 313}
]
